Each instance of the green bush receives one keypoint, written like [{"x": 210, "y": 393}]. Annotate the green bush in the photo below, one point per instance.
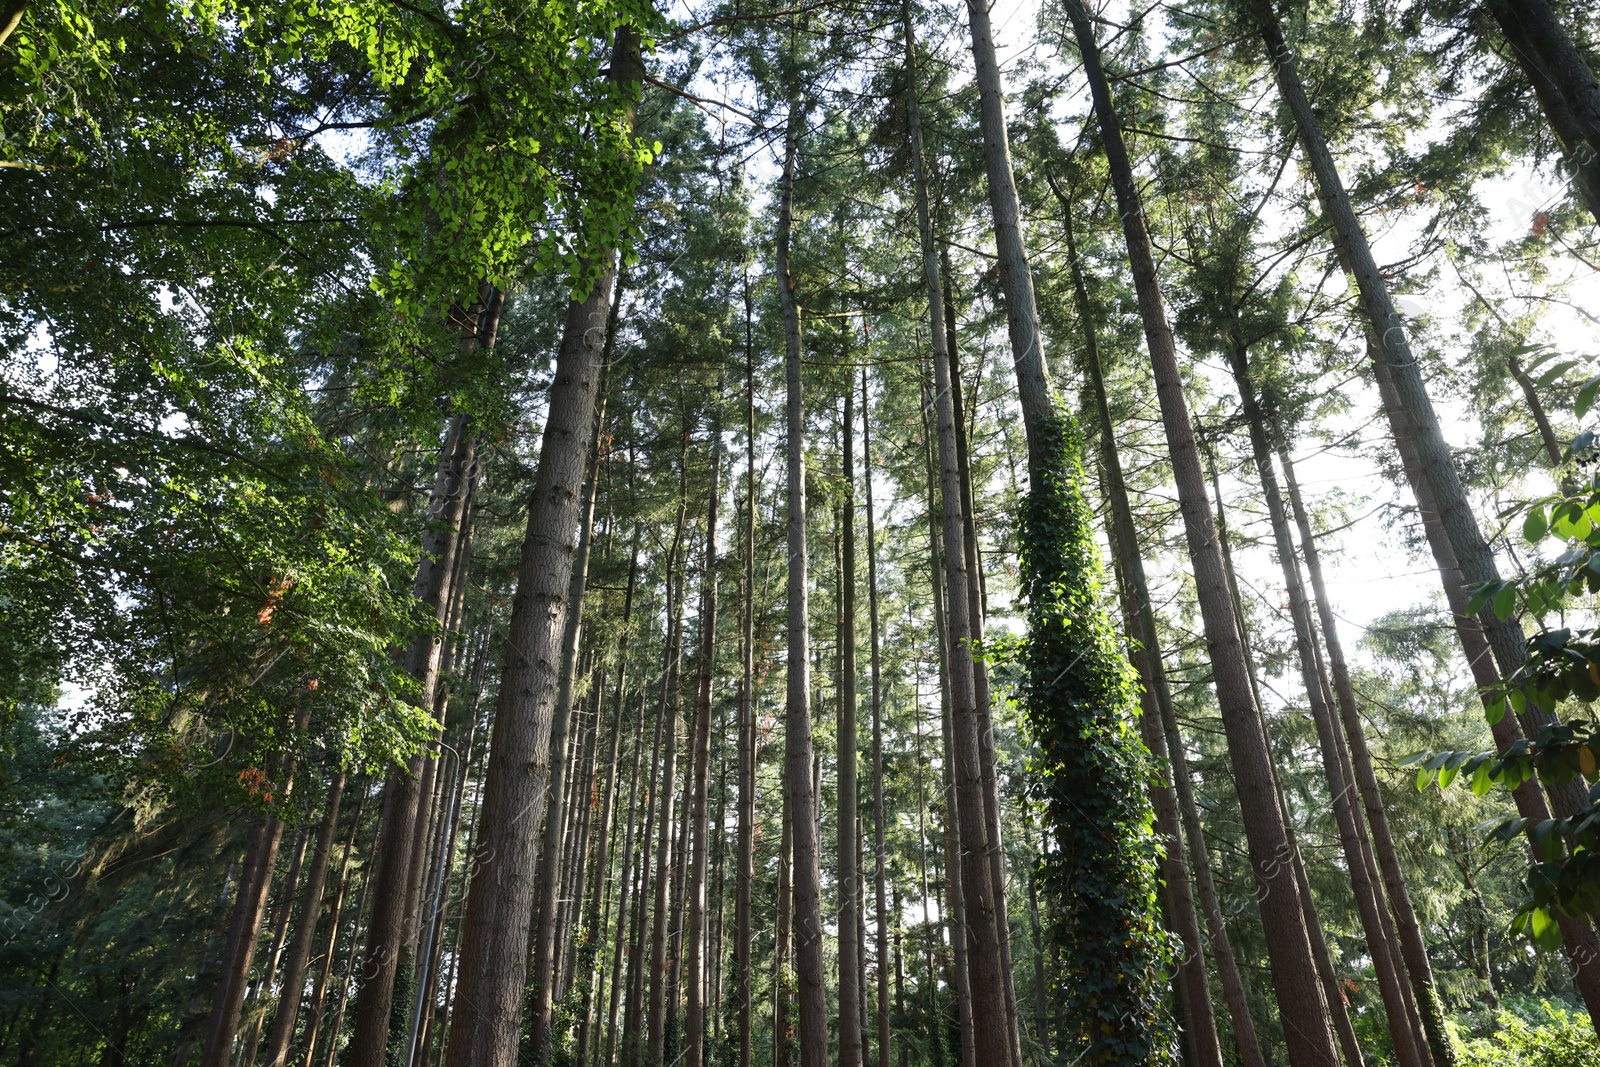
[{"x": 1560, "y": 1038}]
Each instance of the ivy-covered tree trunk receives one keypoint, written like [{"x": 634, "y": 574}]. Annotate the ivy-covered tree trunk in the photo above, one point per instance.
[
  {"x": 805, "y": 868},
  {"x": 1200, "y": 1024},
  {"x": 1307, "y": 1031},
  {"x": 486, "y": 1021}
]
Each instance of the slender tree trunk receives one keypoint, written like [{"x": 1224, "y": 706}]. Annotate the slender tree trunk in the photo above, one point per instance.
[
  {"x": 806, "y": 868},
  {"x": 597, "y": 921},
  {"x": 282, "y": 910},
  {"x": 783, "y": 923},
  {"x": 244, "y": 928},
  {"x": 1200, "y": 1019},
  {"x": 879, "y": 845},
  {"x": 1413, "y": 949},
  {"x": 700, "y": 756},
  {"x": 487, "y": 1017},
  {"x": 1410, "y": 1046},
  {"x": 1563, "y": 82},
  {"x": 848, "y": 791},
  {"x": 954, "y": 873},
  {"x": 1307, "y": 1030},
  {"x": 746, "y": 863},
  {"x": 386, "y": 952},
  {"x": 660, "y": 928},
  {"x": 294, "y": 968},
  {"x": 624, "y": 887},
  {"x": 319, "y": 990}
]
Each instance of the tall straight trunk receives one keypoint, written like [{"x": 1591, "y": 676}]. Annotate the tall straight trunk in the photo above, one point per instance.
[
  {"x": 932, "y": 993},
  {"x": 694, "y": 1025},
  {"x": 662, "y": 860},
  {"x": 879, "y": 847},
  {"x": 746, "y": 861},
  {"x": 1413, "y": 949},
  {"x": 1410, "y": 1044},
  {"x": 1564, "y": 84},
  {"x": 294, "y": 967},
  {"x": 1333, "y": 997},
  {"x": 1199, "y": 1016},
  {"x": 388, "y": 938},
  {"x": 1430, "y": 467},
  {"x": 782, "y": 941},
  {"x": 487, "y": 1019},
  {"x": 624, "y": 887},
  {"x": 1307, "y": 1030},
  {"x": 806, "y": 870},
  {"x": 282, "y": 910},
  {"x": 992, "y": 1027},
  {"x": 596, "y": 921},
  {"x": 956, "y": 914},
  {"x": 572, "y": 922},
  {"x": 545, "y": 927},
  {"x": 319, "y": 989},
  {"x": 244, "y": 928},
  {"x": 848, "y": 791}
]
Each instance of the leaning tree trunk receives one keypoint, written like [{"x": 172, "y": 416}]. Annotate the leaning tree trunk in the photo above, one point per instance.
[
  {"x": 847, "y": 790},
  {"x": 694, "y": 1023},
  {"x": 1307, "y": 1030},
  {"x": 294, "y": 967},
  {"x": 879, "y": 848},
  {"x": 806, "y": 871},
  {"x": 1410, "y": 1046},
  {"x": 1413, "y": 950},
  {"x": 1564, "y": 84},
  {"x": 486, "y": 1021},
  {"x": 1199, "y": 1018}
]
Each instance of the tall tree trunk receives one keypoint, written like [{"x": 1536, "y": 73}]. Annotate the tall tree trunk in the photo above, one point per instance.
[
  {"x": 294, "y": 967},
  {"x": 624, "y": 887},
  {"x": 386, "y": 952},
  {"x": 694, "y": 1027},
  {"x": 806, "y": 867},
  {"x": 1410, "y": 1045},
  {"x": 282, "y": 910},
  {"x": 545, "y": 930},
  {"x": 1564, "y": 84},
  {"x": 847, "y": 790},
  {"x": 244, "y": 927},
  {"x": 1200, "y": 1019},
  {"x": 782, "y": 941},
  {"x": 1430, "y": 468},
  {"x": 661, "y": 875},
  {"x": 954, "y": 873},
  {"x": 597, "y": 920},
  {"x": 746, "y": 862},
  {"x": 488, "y": 1008},
  {"x": 879, "y": 846},
  {"x": 992, "y": 1024},
  {"x": 1307, "y": 1030},
  {"x": 319, "y": 989},
  {"x": 1413, "y": 950}
]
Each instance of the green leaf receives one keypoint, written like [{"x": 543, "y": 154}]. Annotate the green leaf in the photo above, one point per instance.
[
  {"x": 1586, "y": 397},
  {"x": 1555, "y": 372},
  {"x": 1535, "y": 526},
  {"x": 1495, "y": 710},
  {"x": 1482, "y": 781},
  {"x": 1505, "y": 601}
]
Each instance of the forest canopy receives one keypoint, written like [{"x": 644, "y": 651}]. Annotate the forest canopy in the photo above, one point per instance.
[{"x": 795, "y": 533}]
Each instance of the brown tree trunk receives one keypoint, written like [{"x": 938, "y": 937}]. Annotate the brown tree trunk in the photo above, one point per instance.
[
  {"x": 624, "y": 887},
  {"x": 244, "y": 927},
  {"x": 694, "y": 1025},
  {"x": 846, "y": 741},
  {"x": 745, "y": 862},
  {"x": 486, "y": 1020},
  {"x": 806, "y": 867},
  {"x": 545, "y": 929},
  {"x": 388, "y": 937},
  {"x": 1307, "y": 1030},
  {"x": 1200, "y": 1025},
  {"x": 879, "y": 845},
  {"x": 1413, "y": 949},
  {"x": 1410, "y": 1046},
  {"x": 319, "y": 990},
  {"x": 294, "y": 968}
]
